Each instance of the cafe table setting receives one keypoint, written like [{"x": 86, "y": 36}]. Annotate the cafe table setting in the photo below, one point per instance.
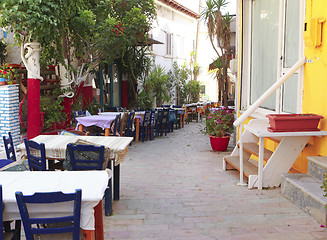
[{"x": 92, "y": 184}]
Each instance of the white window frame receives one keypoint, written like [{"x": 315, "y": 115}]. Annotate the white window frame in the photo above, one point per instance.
[{"x": 246, "y": 59}]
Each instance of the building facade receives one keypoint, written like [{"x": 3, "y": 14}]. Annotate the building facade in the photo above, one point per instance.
[{"x": 273, "y": 37}]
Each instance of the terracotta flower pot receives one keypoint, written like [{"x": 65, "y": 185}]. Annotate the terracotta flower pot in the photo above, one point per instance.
[
  {"x": 219, "y": 143},
  {"x": 293, "y": 122}
]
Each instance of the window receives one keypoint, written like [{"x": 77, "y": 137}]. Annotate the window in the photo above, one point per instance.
[
  {"x": 202, "y": 89},
  {"x": 169, "y": 37},
  {"x": 271, "y": 45}
]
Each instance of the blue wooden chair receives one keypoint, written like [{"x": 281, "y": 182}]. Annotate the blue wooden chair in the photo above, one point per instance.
[
  {"x": 165, "y": 121},
  {"x": 158, "y": 122},
  {"x": 7, "y": 234},
  {"x": 89, "y": 157},
  {"x": 86, "y": 157},
  {"x": 35, "y": 155},
  {"x": 116, "y": 126},
  {"x": 172, "y": 120},
  {"x": 144, "y": 126},
  {"x": 79, "y": 113},
  {"x": 53, "y": 225},
  {"x": 152, "y": 124},
  {"x": 129, "y": 126},
  {"x": 9, "y": 147},
  {"x": 10, "y": 151}
]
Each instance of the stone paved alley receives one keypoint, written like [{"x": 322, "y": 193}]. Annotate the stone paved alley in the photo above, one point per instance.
[{"x": 174, "y": 188}]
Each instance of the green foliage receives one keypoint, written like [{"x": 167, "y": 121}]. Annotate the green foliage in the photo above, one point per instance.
[
  {"x": 3, "y": 51},
  {"x": 52, "y": 108},
  {"x": 219, "y": 35},
  {"x": 155, "y": 84},
  {"x": 324, "y": 185},
  {"x": 86, "y": 31},
  {"x": 145, "y": 100},
  {"x": 196, "y": 70},
  {"x": 195, "y": 90},
  {"x": 9, "y": 73},
  {"x": 219, "y": 123},
  {"x": 158, "y": 83},
  {"x": 34, "y": 20},
  {"x": 178, "y": 78},
  {"x": 92, "y": 106}
]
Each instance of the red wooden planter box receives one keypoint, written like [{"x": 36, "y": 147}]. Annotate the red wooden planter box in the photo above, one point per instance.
[{"x": 293, "y": 122}]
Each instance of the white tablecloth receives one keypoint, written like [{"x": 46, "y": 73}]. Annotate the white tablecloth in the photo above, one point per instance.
[
  {"x": 110, "y": 113},
  {"x": 92, "y": 183}
]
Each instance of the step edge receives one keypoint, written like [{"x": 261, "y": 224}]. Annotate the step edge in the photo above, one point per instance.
[
  {"x": 315, "y": 159},
  {"x": 301, "y": 188}
]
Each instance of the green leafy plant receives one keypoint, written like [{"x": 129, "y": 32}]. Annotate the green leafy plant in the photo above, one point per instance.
[
  {"x": 219, "y": 35},
  {"x": 178, "y": 78},
  {"x": 144, "y": 100},
  {"x": 158, "y": 82},
  {"x": 53, "y": 109},
  {"x": 79, "y": 34},
  {"x": 9, "y": 73},
  {"x": 193, "y": 87},
  {"x": 219, "y": 122},
  {"x": 3, "y": 51}
]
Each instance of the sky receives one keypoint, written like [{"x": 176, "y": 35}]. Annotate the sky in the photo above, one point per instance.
[{"x": 194, "y": 5}]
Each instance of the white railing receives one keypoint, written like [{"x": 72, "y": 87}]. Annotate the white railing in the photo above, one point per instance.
[{"x": 257, "y": 104}]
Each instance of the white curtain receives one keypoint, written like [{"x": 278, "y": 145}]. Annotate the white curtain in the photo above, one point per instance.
[{"x": 265, "y": 18}]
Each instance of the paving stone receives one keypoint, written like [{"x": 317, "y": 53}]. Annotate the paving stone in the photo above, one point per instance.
[{"x": 173, "y": 191}]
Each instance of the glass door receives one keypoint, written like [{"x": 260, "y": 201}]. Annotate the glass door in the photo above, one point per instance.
[{"x": 291, "y": 54}]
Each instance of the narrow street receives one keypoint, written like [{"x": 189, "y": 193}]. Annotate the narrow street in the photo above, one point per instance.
[{"x": 174, "y": 188}]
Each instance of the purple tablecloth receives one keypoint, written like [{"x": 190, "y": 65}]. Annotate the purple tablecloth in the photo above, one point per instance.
[
  {"x": 139, "y": 115},
  {"x": 101, "y": 121}
]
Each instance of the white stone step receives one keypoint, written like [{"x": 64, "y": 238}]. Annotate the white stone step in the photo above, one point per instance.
[
  {"x": 305, "y": 191},
  {"x": 317, "y": 167}
]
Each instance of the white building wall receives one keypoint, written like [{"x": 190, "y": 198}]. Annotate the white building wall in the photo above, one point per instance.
[
  {"x": 206, "y": 55},
  {"x": 183, "y": 30},
  {"x": 13, "y": 50}
]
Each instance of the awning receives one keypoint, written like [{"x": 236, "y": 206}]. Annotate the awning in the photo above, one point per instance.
[{"x": 150, "y": 42}]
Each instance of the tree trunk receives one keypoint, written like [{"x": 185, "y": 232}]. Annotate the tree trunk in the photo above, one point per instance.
[{"x": 225, "y": 86}]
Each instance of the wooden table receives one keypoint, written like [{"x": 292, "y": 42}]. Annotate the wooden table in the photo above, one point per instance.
[
  {"x": 181, "y": 111},
  {"x": 92, "y": 183},
  {"x": 55, "y": 146}
]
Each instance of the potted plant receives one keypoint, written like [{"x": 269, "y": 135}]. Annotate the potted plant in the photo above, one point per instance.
[
  {"x": 8, "y": 74},
  {"x": 293, "y": 122},
  {"x": 219, "y": 127}
]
